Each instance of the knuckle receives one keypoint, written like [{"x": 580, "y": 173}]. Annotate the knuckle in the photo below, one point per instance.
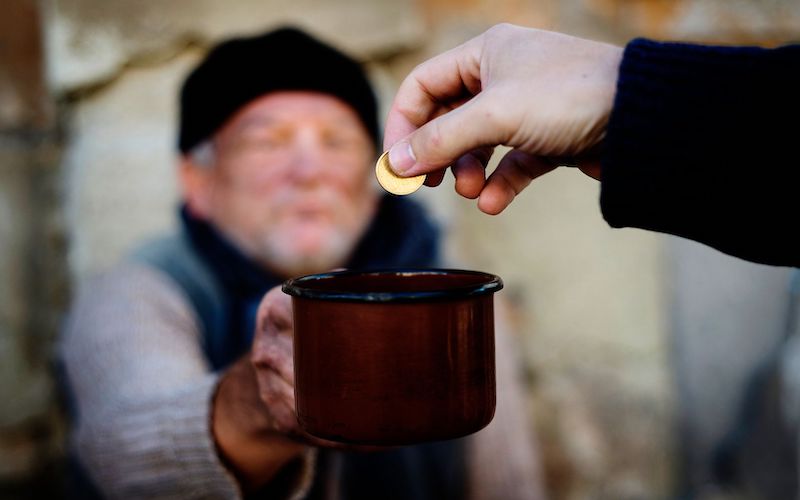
[
  {"x": 257, "y": 354},
  {"x": 410, "y": 111},
  {"x": 433, "y": 139},
  {"x": 272, "y": 354},
  {"x": 266, "y": 355},
  {"x": 500, "y": 29}
]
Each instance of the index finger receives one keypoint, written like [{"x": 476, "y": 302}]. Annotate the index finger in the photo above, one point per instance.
[{"x": 450, "y": 76}]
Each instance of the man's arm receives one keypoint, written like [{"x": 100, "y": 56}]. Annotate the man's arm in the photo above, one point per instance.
[
  {"x": 697, "y": 146},
  {"x": 245, "y": 436},
  {"x": 143, "y": 392},
  {"x": 693, "y": 139}
]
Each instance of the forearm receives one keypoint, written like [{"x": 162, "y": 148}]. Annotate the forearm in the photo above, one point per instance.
[
  {"x": 141, "y": 390},
  {"x": 697, "y": 146},
  {"x": 243, "y": 432},
  {"x": 158, "y": 447}
]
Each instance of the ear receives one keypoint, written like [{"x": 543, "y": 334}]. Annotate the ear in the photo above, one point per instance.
[{"x": 197, "y": 187}]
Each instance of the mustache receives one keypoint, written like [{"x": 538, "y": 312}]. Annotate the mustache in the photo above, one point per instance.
[{"x": 323, "y": 198}]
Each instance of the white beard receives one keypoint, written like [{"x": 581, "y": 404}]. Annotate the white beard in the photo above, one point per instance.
[
  {"x": 291, "y": 244},
  {"x": 278, "y": 252}
]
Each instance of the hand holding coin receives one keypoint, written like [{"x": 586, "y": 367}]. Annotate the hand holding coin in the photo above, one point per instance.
[
  {"x": 541, "y": 94},
  {"x": 393, "y": 183}
]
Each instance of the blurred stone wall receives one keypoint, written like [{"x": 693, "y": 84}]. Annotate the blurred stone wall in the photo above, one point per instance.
[
  {"x": 32, "y": 265},
  {"x": 617, "y": 328}
]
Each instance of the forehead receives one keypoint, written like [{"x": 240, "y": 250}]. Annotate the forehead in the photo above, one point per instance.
[{"x": 293, "y": 106}]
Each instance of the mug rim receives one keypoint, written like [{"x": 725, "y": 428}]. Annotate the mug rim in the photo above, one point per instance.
[{"x": 295, "y": 286}]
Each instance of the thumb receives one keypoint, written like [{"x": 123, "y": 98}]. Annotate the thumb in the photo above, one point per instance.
[{"x": 446, "y": 138}]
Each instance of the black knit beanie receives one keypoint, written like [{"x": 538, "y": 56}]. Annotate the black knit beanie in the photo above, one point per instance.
[{"x": 242, "y": 69}]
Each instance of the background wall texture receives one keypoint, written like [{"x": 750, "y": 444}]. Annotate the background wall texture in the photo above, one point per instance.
[{"x": 636, "y": 345}]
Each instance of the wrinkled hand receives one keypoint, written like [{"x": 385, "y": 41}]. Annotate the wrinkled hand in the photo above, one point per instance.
[
  {"x": 272, "y": 356},
  {"x": 546, "y": 95}
]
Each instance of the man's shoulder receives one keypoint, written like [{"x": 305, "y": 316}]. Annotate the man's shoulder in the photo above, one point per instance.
[
  {"x": 125, "y": 302},
  {"x": 162, "y": 249},
  {"x": 175, "y": 257},
  {"x": 129, "y": 280},
  {"x": 160, "y": 278},
  {"x": 163, "y": 265}
]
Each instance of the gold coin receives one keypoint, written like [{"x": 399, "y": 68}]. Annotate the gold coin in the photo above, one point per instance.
[{"x": 394, "y": 183}]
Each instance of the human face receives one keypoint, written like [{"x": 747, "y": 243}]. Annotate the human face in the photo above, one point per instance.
[{"x": 290, "y": 184}]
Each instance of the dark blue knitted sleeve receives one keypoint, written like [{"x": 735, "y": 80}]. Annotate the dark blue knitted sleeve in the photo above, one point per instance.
[{"x": 703, "y": 143}]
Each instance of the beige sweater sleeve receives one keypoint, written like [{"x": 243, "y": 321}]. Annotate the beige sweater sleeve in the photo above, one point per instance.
[
  {"x": 142, "y": 389},
  {"x": 504, "y": 457}
]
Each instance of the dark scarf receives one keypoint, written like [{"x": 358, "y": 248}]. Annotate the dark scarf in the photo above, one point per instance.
[{"x": 401, "y": 235}]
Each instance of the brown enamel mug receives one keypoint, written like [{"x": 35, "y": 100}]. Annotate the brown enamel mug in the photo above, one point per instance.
[{"x": 394, "y": 357}]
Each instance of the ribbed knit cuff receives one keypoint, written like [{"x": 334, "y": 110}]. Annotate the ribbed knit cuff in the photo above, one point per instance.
[
  {"x": 160, "y": 449},
  {"x": 674, "y": 118},
  {"x": 696, "y": 145},
  {"x": 165, "y": 449}
]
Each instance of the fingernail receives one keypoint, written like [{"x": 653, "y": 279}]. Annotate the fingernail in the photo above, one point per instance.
[{"x": 401, "y": 157}]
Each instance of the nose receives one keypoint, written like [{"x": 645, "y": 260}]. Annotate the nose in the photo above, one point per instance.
[{"x": 307, "y": 158}]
